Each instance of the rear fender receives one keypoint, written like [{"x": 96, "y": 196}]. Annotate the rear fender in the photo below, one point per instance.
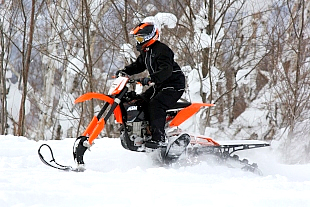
[
  {"x": 187, "y": 112},
  {"x": 204, "y": 141}
]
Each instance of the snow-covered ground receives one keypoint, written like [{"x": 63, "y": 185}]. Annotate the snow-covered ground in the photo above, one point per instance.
[{"x": 117, "y": 177}]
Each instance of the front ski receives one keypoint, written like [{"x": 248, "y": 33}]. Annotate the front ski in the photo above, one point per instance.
[{"x": 52, "y": 163}]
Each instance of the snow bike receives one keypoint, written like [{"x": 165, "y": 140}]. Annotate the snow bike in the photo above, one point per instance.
[{"x": 134, "y": 130}]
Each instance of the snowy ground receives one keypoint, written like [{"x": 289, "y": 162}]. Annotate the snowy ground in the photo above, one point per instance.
[{"x": 116, "y": 177}]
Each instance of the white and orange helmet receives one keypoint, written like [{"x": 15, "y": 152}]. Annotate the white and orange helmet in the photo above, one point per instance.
[{"x": 145, "y": 34}]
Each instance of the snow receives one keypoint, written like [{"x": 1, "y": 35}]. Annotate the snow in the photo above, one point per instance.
[
  {"x": 127, "y": 51},
  {"x": 117, "y": 177},
  {"x": 14, "y": 98},
  {"x": 242, "y": 77},
  {"x": 202, "y": 40},
  {"x": 162, "y": 19},
  {"x": 257, "y": 5}
]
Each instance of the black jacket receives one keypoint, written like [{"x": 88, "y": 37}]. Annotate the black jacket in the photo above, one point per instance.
[{"x": 158, "y": 59}]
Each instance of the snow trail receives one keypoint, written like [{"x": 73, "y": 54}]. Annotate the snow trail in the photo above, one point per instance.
[{"x": 117, "y": 177}]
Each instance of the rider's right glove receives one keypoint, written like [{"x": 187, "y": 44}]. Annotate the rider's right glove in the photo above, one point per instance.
[{"x": 145, "y": 81}]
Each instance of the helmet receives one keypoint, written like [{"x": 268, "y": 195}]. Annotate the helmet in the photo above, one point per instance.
[{"x": 145, "y": 34}]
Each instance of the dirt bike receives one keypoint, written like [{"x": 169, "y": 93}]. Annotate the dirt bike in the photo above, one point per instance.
[{"x": 134, "y": 130}]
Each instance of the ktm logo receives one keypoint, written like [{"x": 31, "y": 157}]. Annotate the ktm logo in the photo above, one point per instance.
[{"x": 132, "y": 108}]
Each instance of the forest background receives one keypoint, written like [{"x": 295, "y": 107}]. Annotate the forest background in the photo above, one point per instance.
[{"x": 249, "y": 57}]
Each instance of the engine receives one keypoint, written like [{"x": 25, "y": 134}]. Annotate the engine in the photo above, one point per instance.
[{"x": 136, "y": 125}]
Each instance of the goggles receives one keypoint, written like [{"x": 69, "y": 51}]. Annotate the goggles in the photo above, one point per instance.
[{"x": 139, "y": 38}]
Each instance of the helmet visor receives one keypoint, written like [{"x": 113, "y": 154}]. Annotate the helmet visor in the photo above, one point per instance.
[{"x": 139, "y": 38}]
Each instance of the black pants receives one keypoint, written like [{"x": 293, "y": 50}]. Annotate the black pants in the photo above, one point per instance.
[{"x": 158, "y": 102}]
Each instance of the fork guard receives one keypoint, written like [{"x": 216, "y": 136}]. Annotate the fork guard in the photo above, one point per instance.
[{"x": 79, "y": 149}]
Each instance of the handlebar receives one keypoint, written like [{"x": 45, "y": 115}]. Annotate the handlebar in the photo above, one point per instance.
[
  {"x": 123, "y": 74},
  {"x": 139, "y": 81}
]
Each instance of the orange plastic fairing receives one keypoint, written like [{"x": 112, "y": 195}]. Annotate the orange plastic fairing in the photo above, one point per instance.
[
  {"x": 205, "y": 141},
  {"x": 91, "y": 126},
  {"x": 96, "y": 131},
  {"x": 118, "y": 115},
  {"x": 88, "y": 96},
  {"x": 187, "y": 112},
  {"x": 118, "y": 85},
  {"x": 96, "y": 126}
]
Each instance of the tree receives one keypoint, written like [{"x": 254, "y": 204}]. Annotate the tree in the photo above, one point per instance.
[
  {"x": 26, "y": 54},
  {"x": 290, "y": 74},
  {"x": 3, "y": 91},
  {"x": 223, "y": 39}
]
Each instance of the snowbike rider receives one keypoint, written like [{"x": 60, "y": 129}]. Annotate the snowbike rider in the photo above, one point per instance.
[{"x": 167, "y": 75}]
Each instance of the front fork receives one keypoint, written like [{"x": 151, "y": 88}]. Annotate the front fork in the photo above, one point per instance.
[{"x": 84, "y": 142}]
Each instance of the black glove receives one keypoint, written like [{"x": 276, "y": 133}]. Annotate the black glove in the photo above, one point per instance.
[
  {"x": 145, "y": 81},
  {"x": 122, "y": 72}
]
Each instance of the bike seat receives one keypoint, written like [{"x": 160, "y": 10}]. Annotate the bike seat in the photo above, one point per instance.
[{"x": 179, "y": 105}]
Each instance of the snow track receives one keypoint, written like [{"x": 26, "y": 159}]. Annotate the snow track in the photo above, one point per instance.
[{"x": 117, "y": 177}]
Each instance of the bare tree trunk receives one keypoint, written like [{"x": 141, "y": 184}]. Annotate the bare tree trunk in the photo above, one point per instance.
[
  {"x": 3, "y": 113},
  {"x": 86, "y": 20},
  {"x": 296, "y": 86},
  {"x": 206, "y": 63},
  {"x": 26, "y": 66}
]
